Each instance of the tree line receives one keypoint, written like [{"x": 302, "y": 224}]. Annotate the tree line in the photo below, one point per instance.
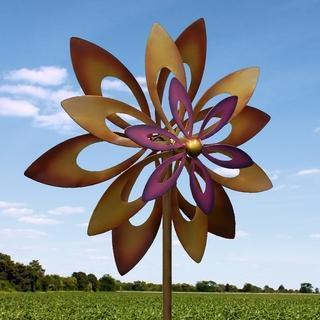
[{"x": 15, "y": 276}]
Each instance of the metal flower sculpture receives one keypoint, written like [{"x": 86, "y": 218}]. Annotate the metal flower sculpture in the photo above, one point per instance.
[{"x": 172, "y": 143}]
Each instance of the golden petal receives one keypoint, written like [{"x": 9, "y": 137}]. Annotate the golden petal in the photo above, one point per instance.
[
  {"x": 251, "y": 179},
  {"x": 113, "y": 209},
  {"x": 58, "y": 166},
  {"x": 240, "y": 83},
  {"x": 90, "y": 113},
  {"x": 161, "y": 52},
  {"x": 92, "y": 64},
  {"x": 246, "y": 125},
  {"x": 192, "y": 234},
  {"x": 222, "y": 221},
  {"x": 130, "y": 243},
  {"x": 192, "y": 44}
]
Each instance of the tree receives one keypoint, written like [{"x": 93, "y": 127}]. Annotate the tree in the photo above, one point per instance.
[
  {"x": 94, "y": 281},
  {"x": 306, "y": 288},
  {"x": 233, "y": 288},
  {"x": 6, "y": 267},
  {"x": 281, "y": 289},
  {"x": 316, "y": 290},
  {"x": 207, "y": 286},
  {"x": 268, "y": 289},
  {"x": 139, "y": 286},
  {"x": 82, "y": 280},
  {"x": 55, "y": 282},
  {"x": 20, "y": 277},
  {"x": 248, "y": 287},
  {"x": 107, "y": 283},
  {"x": 70, "y": 283},
  {"x": 36, "y": 273}
]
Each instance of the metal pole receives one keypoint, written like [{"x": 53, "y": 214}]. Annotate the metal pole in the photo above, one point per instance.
[{"x": 167, "y": 257}]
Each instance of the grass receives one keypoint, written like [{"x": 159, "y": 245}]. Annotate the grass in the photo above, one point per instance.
[{"x": 141, "y": 306}]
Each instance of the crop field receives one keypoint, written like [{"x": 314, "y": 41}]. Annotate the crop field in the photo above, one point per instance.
[{"x": 141, "y": 306}]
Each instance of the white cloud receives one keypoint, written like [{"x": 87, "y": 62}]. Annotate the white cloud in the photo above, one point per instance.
[
  {"x": 115, "y": 85},
  {"x": 66, "y": 210},
  {"x": 83, "y": 225},
  {"x": 57, "y": 121},
  {"x": 317, "y": 130},
  {"x": 17, "y": 108},
  {"x": 241, "y": 234},
  {"x": 118, "y": 85},
  {"x": 39, "y": 219},
  {"x": 46, "y": 75},
  {"x": 23, "y": 100},
  {"x": 18, "y": 211},
  {"x": 6, "y": 204},
  {"x": 25, "y": 97},
  {"x": 228, "y": 173},
  {"x": 58, "y": 95},
  {"x": 40, "y": 93},
  {"x": 314, "y": 236},
  {"x": 279, "y": 187},
  {"x": 307, "y": 172},
  {"x": 143, "y": 83},
  {"x": 25, "y": 214},
  {"x": 273, "y": 175},
  {"x": 9, "y": 233},
  {"x": 286, "y": 187},
  {"x": 21, "y": 90}
]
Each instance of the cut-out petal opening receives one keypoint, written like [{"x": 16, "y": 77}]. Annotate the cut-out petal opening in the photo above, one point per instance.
[
  {"x": 113, "y": 209},
  {"x": 251, "y": 179},
  {"x": 130, "y": 242},
  {"x": 153, "y": 137},
  {"x": 90, "y": 113},
  {"x": 224, "y": 110},
  {"x": 158, "y": 184},
  {"x": 204, "y": 200},
  {"x": 238, "y": 158},
  {"x": 178, "y": 95},
  {"x": 192, "y": 234},
  {"x": 58, "y": 166}
]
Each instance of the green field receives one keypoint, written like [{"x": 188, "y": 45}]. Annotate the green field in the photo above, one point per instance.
[{"x": 141, "y": 306}]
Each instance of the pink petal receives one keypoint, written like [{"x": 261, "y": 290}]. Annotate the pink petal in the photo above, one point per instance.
[
  {"x": 224, "y": 110},
  {"x": 155, "y": 187},
  {"x": 204, "y": 200},
  {"x": 177, "y": 92},
  {"x": 239, "y": 159}
]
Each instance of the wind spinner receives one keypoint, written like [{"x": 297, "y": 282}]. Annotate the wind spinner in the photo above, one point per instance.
[{"x": 167, "y": 144}]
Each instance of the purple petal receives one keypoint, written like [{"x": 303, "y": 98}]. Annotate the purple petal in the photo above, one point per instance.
[
  {"x": 224, "y": 110},
  {"x": 239, "y": 159},
  {"x": 177, "y": 92},
  {"x": 155, "y": 187},
  {"x": 143, "y": 134},
  {"x": 204, "y": 200}
]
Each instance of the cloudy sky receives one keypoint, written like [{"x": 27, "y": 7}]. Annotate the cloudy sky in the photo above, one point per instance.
[{"x": 278, "y": 232}]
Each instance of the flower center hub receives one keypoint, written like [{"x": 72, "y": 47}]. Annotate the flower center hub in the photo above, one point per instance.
[{"x": 193, "y": 147}]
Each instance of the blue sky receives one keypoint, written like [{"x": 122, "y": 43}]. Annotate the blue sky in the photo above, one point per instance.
[{"x": 278, "y": 235}]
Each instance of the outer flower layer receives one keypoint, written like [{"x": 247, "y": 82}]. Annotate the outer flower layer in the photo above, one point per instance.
[{"x": 214, "y": 211}]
